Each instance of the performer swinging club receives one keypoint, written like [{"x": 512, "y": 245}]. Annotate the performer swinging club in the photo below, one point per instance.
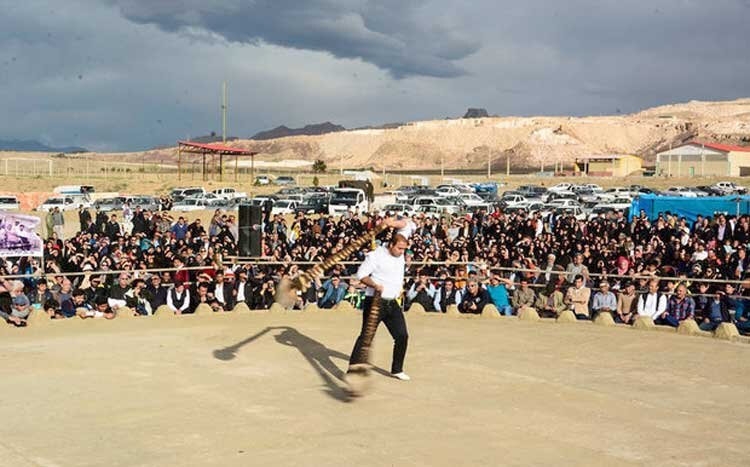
[{"x": 383, "y": 274}]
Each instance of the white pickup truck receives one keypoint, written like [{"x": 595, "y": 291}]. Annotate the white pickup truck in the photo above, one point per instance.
[
  {"x": 344, "y": 200},
  {"x": 229, "y": 193}
]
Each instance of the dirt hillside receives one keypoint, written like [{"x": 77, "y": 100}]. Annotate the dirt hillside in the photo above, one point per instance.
[{"x": 529, "y": 141}]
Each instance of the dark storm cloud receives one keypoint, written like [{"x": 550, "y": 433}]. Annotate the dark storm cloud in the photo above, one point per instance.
[
  {"x": 391, "y": 34},
  {"x": 126, "y": 75}
]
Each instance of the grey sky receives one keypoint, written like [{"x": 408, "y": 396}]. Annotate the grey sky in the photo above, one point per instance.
[{"x": 130, "y": 74}]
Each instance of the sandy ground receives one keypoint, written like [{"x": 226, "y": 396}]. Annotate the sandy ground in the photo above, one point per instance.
[{"x": 266, "y": 389}]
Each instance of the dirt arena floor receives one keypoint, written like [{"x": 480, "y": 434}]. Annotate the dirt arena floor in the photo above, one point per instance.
[{"x": 266, "y": 389}]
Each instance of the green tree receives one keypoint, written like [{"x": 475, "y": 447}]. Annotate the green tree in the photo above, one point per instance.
[{"x": 319, "y": 166}]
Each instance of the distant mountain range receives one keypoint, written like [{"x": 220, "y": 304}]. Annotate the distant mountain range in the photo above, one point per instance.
[
  {"x": 34, "y": 146},
  {"x": 310, "y": 130}
]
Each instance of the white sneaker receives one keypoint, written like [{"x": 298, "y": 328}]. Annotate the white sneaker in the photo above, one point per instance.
[{"x": 402, "y": 376}]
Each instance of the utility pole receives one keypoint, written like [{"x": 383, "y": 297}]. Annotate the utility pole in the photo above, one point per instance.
[
  {"x": 224, "y": 114},
  {"x": 489, "y": 163},
  {"x": 442, "y": 167},
  {"x": 507, "y": 165},
  {"x": 341, "y": 170}
]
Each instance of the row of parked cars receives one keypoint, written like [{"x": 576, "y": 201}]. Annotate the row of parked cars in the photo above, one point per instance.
[{"x": 590, "y": 200}]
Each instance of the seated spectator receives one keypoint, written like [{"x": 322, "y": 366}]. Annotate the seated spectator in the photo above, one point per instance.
[
  {"x": 551, "y": 301},
  {"x": 200, "y": 296},
  {"x": 178, "y": 298},
  {"x": 243, "y": 288},
  {"x": 422, "y": 291},
  {"x": 446, "y": 296},
  {"x": 52, "y": 308},
  {"x": 679, "y": 308},
  {"x": 21, "y": 306},
  {"x": 65, "y": 298},
  {"x": 263, "y": 295},
  {"x": 604, "y": 301},
  {"x": 157, "y": 293},
  {"x": 627, "y": 304},
  {"x": 41, "y": 295},
  {"x": 524, "y": 296},
  {"x": 334, "y": 291},
  {"x": 101, "y": 309},
  {"x": 578, "y": 297},
  {"x": 7, "y": 306},
  {"x": 474, "y": 298},
  {"x": 722, "y": 308},
  {"x": 652, "y": 303},
  {"x": 355, "y": 297},
  {"x": 138, "y": 298},
  {"x": 703, "y": 304},
  {"x": 499, "y": 294},
  {"x": 116, "y": 298},
  {"x": 222, "y": 293}
]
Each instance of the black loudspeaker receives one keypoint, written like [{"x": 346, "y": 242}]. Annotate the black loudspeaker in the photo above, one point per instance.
[{"x": 251, "y": 219}]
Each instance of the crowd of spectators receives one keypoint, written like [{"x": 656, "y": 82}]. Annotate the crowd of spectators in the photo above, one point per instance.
[{"x": 609, "y": 264}]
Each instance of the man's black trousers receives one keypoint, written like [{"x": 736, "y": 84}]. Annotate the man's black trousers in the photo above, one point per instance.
[{"x": 393, "y": 317}]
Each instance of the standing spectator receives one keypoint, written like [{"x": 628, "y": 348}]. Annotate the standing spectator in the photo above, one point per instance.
[
  {"x": 578, "y": 298},
  {"x": 474, "y": 298},
  {"x": 679, "y": 308},
  {"x": 604, "y": 300},
  {"x": 113, "y": 229},
  {"x": 499, "y": 294},
  {"x": 180, "y": 229},
  {"x": 58, "y": 223},
  {"x": 524, "y": 296},
  {"x": 49, "y": 222},
  {"x": 84, "y": 218},
  {"x": 627, "y": 304},
  {"x": 446, "y": 296}
]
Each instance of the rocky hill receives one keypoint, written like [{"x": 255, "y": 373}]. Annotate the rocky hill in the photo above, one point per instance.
[{"x": 529, "y": 141}]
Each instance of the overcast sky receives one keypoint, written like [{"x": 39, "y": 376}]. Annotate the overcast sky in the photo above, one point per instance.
[{"x": 131, "y": 74}]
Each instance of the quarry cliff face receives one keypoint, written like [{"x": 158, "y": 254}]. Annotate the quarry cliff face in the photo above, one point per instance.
[{"x": 529, "y": 142}]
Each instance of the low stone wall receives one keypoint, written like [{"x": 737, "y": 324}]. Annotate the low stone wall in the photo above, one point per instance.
[{"x": 725, "y": 331}]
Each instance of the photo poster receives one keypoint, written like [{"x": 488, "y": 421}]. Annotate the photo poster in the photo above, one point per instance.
[{"x": 18, "y": 235}]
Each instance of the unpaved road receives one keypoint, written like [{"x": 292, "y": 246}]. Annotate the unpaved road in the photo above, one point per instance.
[{"x": 265, "y": 389}]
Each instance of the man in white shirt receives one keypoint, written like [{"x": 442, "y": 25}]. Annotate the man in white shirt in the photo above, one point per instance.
[
  {"x": 178, "y": 298},
  {"x": 652, "y": 304},
  {"x": 383, "y": 271}
]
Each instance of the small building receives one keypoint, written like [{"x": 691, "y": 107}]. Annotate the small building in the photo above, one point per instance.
[
  {"x": 704, "y": 159},
  {"x": 611, "y": 165}
]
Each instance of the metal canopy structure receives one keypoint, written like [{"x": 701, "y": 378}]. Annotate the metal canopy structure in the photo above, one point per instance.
[{"x": 214, "y": 150}]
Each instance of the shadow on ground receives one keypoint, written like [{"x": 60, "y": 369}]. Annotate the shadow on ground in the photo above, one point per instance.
[{"x": 317, "y": 355}]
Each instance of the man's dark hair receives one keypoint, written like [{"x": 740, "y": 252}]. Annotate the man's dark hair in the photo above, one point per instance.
[
  {"x": 578, "y": 276},
  {"x": 78, "y": 292}
]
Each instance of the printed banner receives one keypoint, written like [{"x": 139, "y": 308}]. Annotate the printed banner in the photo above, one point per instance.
[{"x": 18, "y": 235}]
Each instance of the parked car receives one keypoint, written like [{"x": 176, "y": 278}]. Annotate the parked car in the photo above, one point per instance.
[
  {"x": 575, "y": 211},
  {"x": 283, "y": 207},
  {"x": 564, "y": 203},
  {"x": 229, "y": 193},
  {"x": 680, "y": 191},
  {"x": 314, "y": 205},
  {"x": 429, "y": 211},
  {"x": 186, "y": 192},
  {"x": 65, "y": 203},
  {"x": 189, "y": 204},
  {"x": 284, "y": 180},
  {"x": 560, "y": 187},
  {"x": 262, "y": 180},
  {"x": 9, "y": 203},
  {"x": 447, "y": 190}
]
